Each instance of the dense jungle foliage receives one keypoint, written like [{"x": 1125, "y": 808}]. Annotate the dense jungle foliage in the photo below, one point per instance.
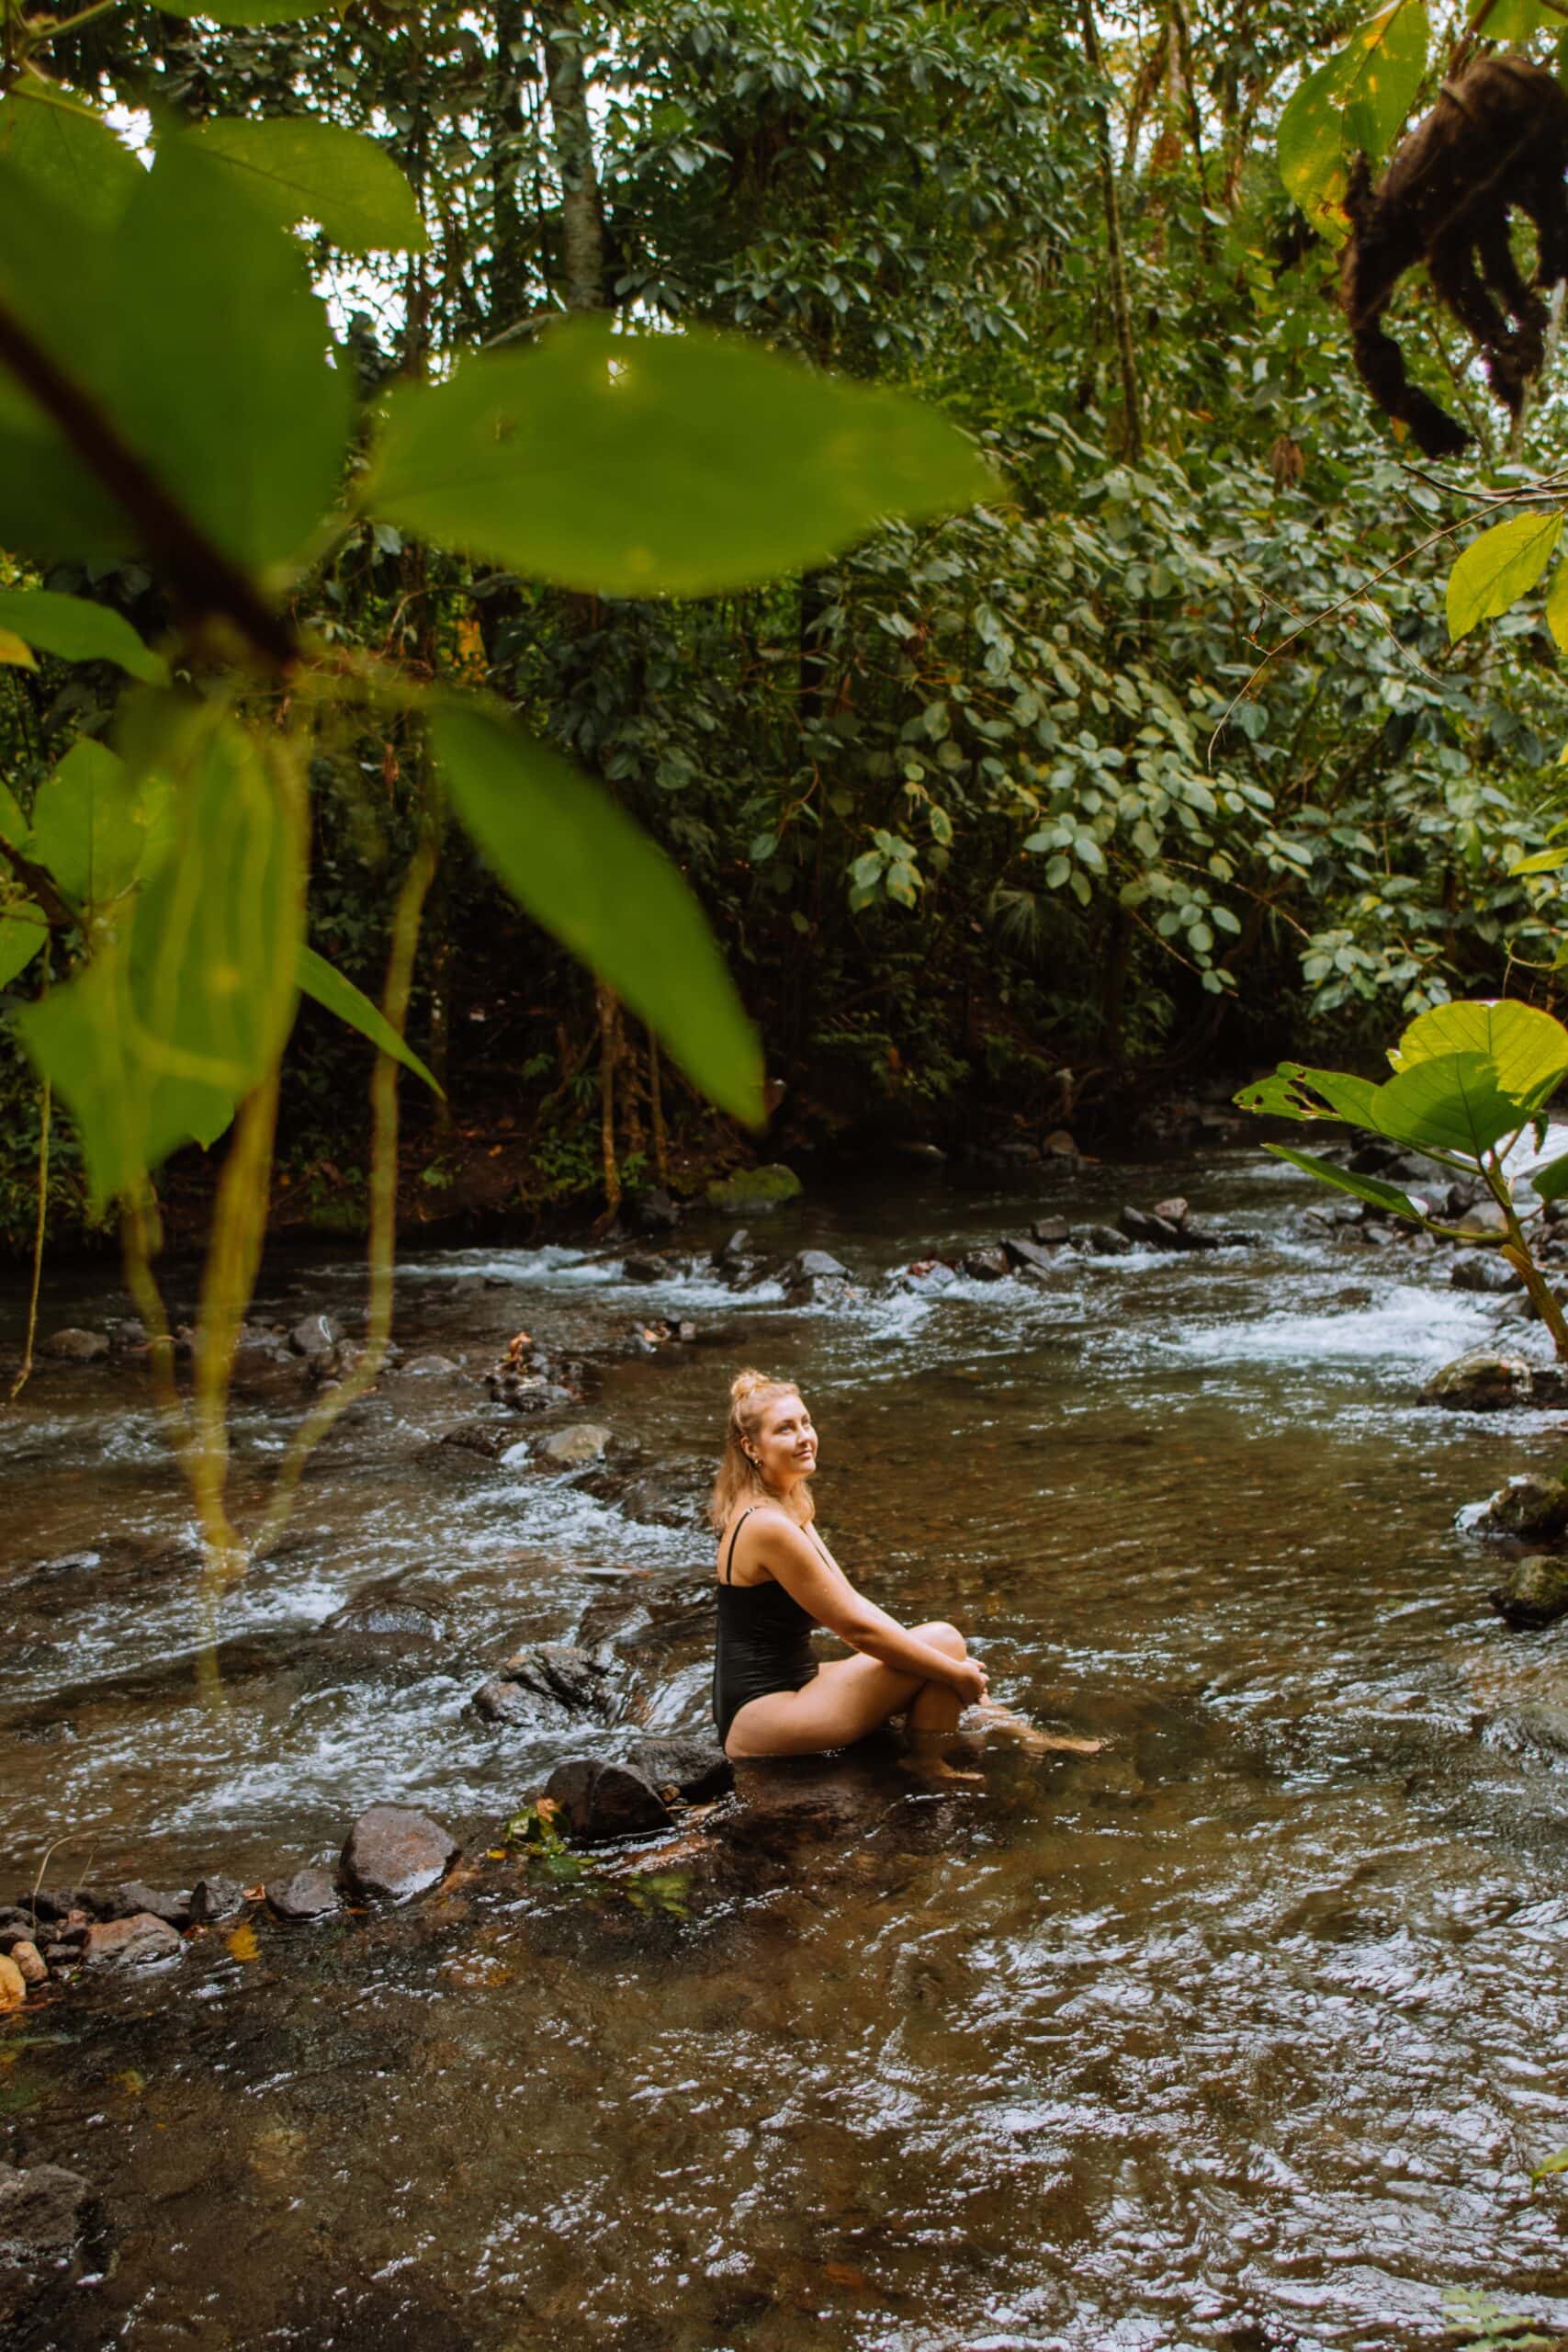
[{"x": 995, "y": 812}]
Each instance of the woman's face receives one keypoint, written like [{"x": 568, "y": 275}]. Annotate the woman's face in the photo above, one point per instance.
[{"x": 785, "y": 1443}]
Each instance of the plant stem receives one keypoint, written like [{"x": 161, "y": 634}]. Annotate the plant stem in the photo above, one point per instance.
[
  {"x": 46, "y": 1105},
  {"x": 1516, "y": 1250}
]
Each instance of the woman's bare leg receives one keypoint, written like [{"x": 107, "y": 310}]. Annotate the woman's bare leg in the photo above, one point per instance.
[
  {"x": 992, "y": 1716},
  {"x": 849, "y": 1698}
]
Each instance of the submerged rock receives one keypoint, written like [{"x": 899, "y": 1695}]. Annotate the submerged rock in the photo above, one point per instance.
[
  {"x": 48, "y": 2218},
  {"x": 569, "y": 1448},
  {"x": 483, "y": 1438},
  {"x": 130, "y": 1943},
  {"x": 1481, "y": 1270},
  {"x": 599, "y": 1801},
  {"x": 1533, "y": 1509},
  {"x": 77, "y": 1347},
  {"x": 394, "y": 1852},
  {"x": 985, "y": 1265},
  {"x": 389, "y": 1615},
  {"x": 1483, "y": 1381},
  {"x": 1533, "y": 1592}
]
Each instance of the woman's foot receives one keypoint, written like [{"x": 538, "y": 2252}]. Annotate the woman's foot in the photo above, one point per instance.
[
  {"x": 930, "y": 1756},
  {"x": 991, "y": 1715}
]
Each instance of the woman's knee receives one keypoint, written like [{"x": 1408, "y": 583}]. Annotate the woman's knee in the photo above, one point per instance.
[{"x": 943, "y": 1637}]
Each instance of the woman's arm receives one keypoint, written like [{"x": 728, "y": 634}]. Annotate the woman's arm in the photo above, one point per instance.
[{"x": 833, "y": 1599}]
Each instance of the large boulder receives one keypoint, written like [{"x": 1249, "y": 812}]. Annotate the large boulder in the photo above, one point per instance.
[
  {"x": 394, "y": 1852},
  {"x": 1533, "y": 1509},
  {"x": 1483, "y": 1381},
  {"x": 691, "y": 1767},
  {"x": 1483, "y": 1270},
  {"x": 597, "y": 1801},
  {"x": 130, "y": 1943},
  {"x": 754, "y": 1191},
  {"x": 1532, "y": 1591}
]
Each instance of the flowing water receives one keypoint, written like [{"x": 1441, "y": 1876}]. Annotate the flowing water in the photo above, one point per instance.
[{"x": 1244, "y": 2033}]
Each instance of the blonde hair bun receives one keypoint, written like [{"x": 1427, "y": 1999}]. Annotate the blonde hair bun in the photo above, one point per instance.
[{"x": 747, "y": 1383}]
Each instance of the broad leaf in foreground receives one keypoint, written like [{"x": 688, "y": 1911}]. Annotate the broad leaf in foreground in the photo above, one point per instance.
[
  {"x": 295, "y": 168},
  {"x": 79, "y": 630},
  {"x": 1452, "y": 1103},
  {"x": 1371, "y": 1189},
  {"x": 590, "y": 877},
  {"x": 1527, "y": 1048},
  {"x": 327, "y": 984},
  {"x": 681, "y": 464},
  {"x": 184, "y": 1009}
]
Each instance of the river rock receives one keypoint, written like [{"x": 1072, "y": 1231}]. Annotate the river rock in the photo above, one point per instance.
[
  {"x": 431, "y": 1367},
  {"x": 77, "y": 1347},
  {"x": 28, "y": 1961},
  {"x": 13, "y": 1984},
  {"x": 1485, "y": 1216},
  {"x": 599, "y": 1801},
  {"x": 315, "y": 1335},
  {"x": 571, "y": 1448},
  {"x": 1148, "y": 1230},
  {"x": 1532, "y": 1508},
  {"x": 1481, "y": 1270},
  {"x": 215, "y": 1899},
  {"x": 926, "y": 1274},
  {"x": 812, "y": 1265},
  {"x": 160, "y": 1904},
  {"x": 735, "y": 1254},
  {"x": 308, "y": 1895},
  {"x": 483, "y": 1438},
  {"x": 693, "y": 1769},
  {"x": 1105, "y": 1241},
  {"x": 1027, "y": 1257},
  {"x": 555, "y": 1672},
  {"x": 641, "y": 1268},
  {"x": 754, "y": 1191},
  {"x": 1533, "y": 1592},
  {"x": 1051, "y": 1232},
  {"x": 786, "y": 1801},
  {"x": 654, "y": 1211},
  {"x": 130, "y": 1943},
  {"x": 1173, "y": 1212},
  {"x": 985, "y": 1265},
  {"x": 1483, "y": 1381},
  {"x": 394, "y": 1852}
]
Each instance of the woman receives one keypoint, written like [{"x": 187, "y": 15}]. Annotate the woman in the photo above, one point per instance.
[{"x": 777, "y": 1579}]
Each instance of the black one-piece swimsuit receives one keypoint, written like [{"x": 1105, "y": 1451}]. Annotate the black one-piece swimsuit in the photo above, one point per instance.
[{"x": 763, "y": 1641}]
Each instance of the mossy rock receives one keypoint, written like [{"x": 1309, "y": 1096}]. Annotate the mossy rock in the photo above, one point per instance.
[
  {"x": 753, "y": 1190},
  {"x": 1533, "y": 1592},
  {"x": 1482, "y": 1382}
]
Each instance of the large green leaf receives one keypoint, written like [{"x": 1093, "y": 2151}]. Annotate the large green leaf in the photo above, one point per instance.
[
  {"x": 1545, "y": 861},
  {"x": 1450, "y": 1103},
  {"x": 297, "y": 168},
  {"x": 632, "y": 465},
  {"x": 321, "y": 980},
  {"x": 1364, "y": 1188},
  {"x": 21, "y": 936},
  {"x": 1514, "y": 20},
  {"x": 14, "y": 826},
  {"x": 79, "y": 630},
  {"x": 1552, "y": 1181},
  {"x": 1312, "y": 151},
  {"x": 192, "y": 324},
  {"x": 94, "y": 827},
  {"x": 70, "y": 156},
  {"x": 1294, "y": 1092},
  {"x": 186, "y": 1007},
  {"x": 1499, "y": 568},
  {"x": 589, "y": 876},
  {"x": 1527, "y": 1048}
]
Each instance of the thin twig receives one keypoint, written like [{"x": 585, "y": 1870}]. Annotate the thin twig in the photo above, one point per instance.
[{"x": 46, "y": 1105}]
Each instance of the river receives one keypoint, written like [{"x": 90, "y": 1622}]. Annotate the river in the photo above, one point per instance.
[{"x": 1243, "y": 2033}]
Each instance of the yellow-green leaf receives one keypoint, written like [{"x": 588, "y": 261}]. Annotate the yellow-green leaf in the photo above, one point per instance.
[
  {"x": 1557, "y": 607},
  {"x": 78, "y": 630},
  {"x": 1498, "y": 568},
  {"x": 69, "y": 154},
  {"x": 327, "y": 984},
  {"x": 22, "y": 932},
  {"x": 16, "y": 651},
  {"x": 1528, "y": 1049}
]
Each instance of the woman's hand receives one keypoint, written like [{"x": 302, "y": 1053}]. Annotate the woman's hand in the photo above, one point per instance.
[{"x": 968, "y": 1678}]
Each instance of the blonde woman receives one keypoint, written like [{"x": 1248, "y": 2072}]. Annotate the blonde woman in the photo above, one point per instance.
[{"x": 777, "y": 1580}]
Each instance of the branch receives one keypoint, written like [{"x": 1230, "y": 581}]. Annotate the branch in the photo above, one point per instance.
[
  {"x": 203, "y": 578},
  {"x": 58, "y": 911}
]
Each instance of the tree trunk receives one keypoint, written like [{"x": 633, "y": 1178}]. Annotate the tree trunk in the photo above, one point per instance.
[
  {"x": 582, "y": 220},
  {"x": 1118, "y": 274}
]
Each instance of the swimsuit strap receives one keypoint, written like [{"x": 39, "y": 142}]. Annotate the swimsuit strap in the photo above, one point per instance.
[{"x": 729, "y": 1555}]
